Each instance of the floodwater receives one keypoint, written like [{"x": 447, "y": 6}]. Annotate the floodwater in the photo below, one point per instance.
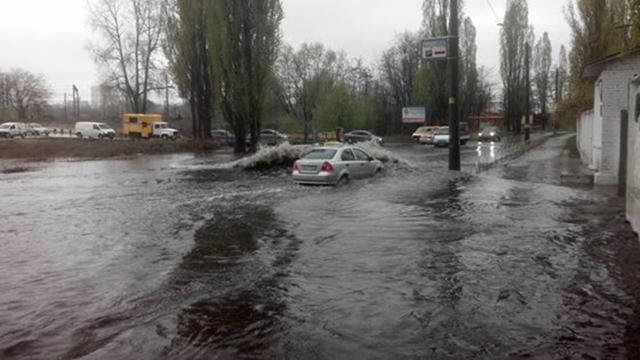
[{"x": 175, "y": 257}]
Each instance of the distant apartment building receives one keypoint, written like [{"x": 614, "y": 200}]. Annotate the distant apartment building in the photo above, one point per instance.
[{"x": 96, "y": 97}]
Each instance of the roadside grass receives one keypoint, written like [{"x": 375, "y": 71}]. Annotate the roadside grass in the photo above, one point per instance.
[{"x": 49, "y": 149}]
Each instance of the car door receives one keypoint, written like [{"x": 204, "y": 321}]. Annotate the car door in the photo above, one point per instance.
[
  {"x": 365, "y": 167},
  {"x": 349, "y": 162}
]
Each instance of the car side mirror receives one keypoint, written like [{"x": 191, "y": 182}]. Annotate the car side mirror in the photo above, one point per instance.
[{"x": 371, "y": 158}]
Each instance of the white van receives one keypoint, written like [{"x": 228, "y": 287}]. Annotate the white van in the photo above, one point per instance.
[
  {"x": 10, "y": 130},
  {"x": 94, "y": 130}
]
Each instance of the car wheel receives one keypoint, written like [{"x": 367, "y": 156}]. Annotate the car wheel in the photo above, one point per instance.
[
  {"x": 100, "y": 136},
  {"x": 344, "y": 180},
  {"x": 165, "y": 137}
]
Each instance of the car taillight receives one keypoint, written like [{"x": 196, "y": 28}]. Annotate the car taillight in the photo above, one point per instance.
[
  {"x": 327, "y": 167},
  {"x": 296, "y": 167}
]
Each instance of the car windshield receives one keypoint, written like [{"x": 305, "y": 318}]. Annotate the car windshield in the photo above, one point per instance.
[
  {"x": 489, "y": 130},
  {"x": 104, "y": 127},
  {"x": 320, "y": 154},
  {"x": 5, "y": 126},
  {"x": 442, "y": 131},
  {"x": 422, "y": 130},
  {"x": 161, "y": 126}
]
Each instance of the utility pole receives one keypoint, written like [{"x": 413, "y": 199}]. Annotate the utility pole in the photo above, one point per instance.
[
  {"x": 454, "y": 121},
  {"x": 166, "y": 98},
  {"x": 527, "y": 101},
  {"x": 76, "y": 103},
  {"x": 66, "y": 114}
]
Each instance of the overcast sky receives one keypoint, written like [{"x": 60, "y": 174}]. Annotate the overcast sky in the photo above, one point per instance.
[{"x": 50, "y": 37}]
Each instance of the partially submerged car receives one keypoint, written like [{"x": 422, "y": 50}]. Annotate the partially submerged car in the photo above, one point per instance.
[
  {"x": 330, "y": 165},
  {"x": 357, "y": 136}
]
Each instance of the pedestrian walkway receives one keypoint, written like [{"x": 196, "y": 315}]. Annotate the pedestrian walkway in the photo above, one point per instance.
[{"x": 602, "y": 299}]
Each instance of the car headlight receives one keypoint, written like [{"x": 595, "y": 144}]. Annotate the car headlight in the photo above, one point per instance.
[
  {"x": 480, "y": 134},
  {"x": 493, "y": 134}
]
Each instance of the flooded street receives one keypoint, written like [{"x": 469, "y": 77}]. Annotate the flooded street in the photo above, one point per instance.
[{"x": 175, "y": 257}]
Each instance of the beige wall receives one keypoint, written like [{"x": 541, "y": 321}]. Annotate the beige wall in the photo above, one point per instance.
[{"x": 633, "y": 163}]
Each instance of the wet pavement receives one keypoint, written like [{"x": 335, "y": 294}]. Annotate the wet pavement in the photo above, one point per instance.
[{"x": 176, "y": 257}]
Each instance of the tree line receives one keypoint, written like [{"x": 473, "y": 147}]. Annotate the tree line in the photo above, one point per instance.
[
  {"x": 227, "y": 60},
  {"x": 23, "y": 95}
]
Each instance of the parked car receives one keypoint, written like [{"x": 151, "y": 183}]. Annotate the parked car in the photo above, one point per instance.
[
  {"x": 270, "y": 137},
  {"x": 442, "y": 136},
  {"x": 491, "y": 134},
  {"x": 37, "y": 129},
  {"x": 427, "y": 138},
  {"x": 422, "y": 131},
  {"x": 10, "y": 130},
  {"x": 223, "y": 136},
  {"x": 362, "y": 136},
  {"x": 335, "y": 165},
  {"x": 94, "y": 130}
]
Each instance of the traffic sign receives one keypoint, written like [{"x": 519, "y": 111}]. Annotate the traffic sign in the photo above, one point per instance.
[{"x": 434, "y": 49}]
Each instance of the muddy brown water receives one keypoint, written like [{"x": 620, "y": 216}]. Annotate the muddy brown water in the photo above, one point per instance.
[{"x": 169, "y": 257}]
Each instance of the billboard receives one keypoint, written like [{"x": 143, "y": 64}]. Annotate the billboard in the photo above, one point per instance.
[
  {"x": 414, "y": 115},
  {"x": 435, "y": 48}
]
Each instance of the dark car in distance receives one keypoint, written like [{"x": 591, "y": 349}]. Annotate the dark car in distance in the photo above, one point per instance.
[
  {"x": 362, "y": 136},
  {"x": 270, "y": 137},
  {"x": 223, "y": 137},
  {"x": 490, "y": 134}
]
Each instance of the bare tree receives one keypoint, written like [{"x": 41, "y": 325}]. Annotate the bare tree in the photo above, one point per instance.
[
  {"x": 398, "y": 69},
  {"x": 25, "y": 92},
  {"x": 132, "y": 33},
  {"x": 305, "y": 76}
]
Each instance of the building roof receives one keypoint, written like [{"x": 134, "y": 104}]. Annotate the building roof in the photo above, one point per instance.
[{"x": 594, "y": 69}]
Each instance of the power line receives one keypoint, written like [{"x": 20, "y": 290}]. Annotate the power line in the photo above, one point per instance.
[{"x": 493, "y": 10}]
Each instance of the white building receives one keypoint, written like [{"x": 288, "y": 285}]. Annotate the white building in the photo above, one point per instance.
[{"x": 609, "y": 135}]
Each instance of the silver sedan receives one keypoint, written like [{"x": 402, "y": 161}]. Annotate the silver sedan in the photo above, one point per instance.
[{"x": 335, "y": 165}]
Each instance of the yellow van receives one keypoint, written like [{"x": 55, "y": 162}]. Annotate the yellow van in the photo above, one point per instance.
[{"x": 139, "y": 125}]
